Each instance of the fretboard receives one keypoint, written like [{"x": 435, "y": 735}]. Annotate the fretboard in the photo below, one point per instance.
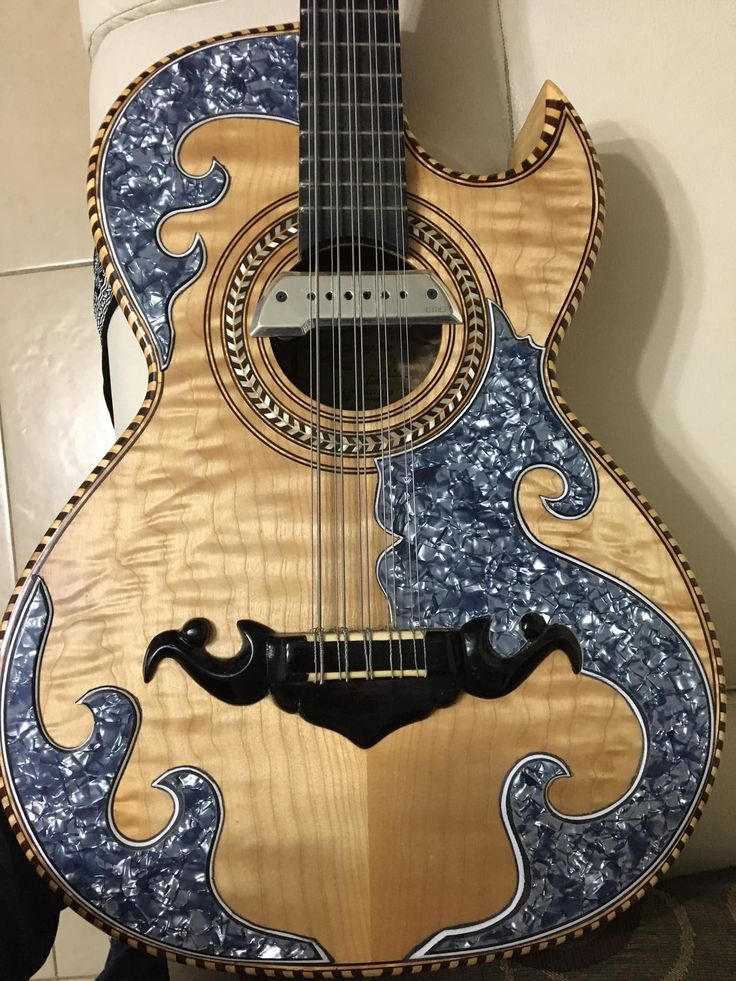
[{"x": 352, "y": 177}]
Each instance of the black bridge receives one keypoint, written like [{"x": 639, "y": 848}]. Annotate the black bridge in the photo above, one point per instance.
[{"x": 361, "y": 685}]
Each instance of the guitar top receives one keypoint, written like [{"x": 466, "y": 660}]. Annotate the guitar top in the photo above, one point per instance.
[{"x": 356, "y": 653}]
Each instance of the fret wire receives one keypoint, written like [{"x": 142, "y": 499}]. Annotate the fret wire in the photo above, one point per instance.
[
  {"x": 343, "y": 192},
  {"x": 357, "y": 105},
  {"x": 396, "y": 130},
  {"x": 377, "y": 132},
  {"x": 360, "y": 12},
  {"x": 349, "y": 207},
  {"x": 365, "y": 163},
  {"x": 359, "y": 76},
  {"x": 344, "y": 160},
  {"x": 357, "y": 44},
  {"x": 307, "y": 184},
  {"x": 383, "y": 75},
  {"x": 391, "y": 148}
]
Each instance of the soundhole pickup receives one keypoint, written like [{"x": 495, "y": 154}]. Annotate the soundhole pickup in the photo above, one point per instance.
[
  {"x": 362, "y": 685},
  {"x": 297, "y": 302}
]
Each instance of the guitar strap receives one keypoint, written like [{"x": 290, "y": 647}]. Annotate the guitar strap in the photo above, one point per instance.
[
  {"x": 104, "y": 305},
  {"x": 29, "y": 911}
]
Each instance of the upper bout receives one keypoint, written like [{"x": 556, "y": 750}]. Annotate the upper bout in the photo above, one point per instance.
[{"x": 539, "y": 223}]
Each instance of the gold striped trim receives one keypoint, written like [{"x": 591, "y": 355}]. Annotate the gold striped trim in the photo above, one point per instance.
[
  {"x": 719, "y": 694},
  {"x": 554, "y": 115}
]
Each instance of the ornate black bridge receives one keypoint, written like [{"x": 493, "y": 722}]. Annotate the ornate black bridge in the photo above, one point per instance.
[{"x": 361, "y": 685}]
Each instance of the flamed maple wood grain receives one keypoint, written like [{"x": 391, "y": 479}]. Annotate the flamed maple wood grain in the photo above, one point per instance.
[{"x": 367, "y": 851}]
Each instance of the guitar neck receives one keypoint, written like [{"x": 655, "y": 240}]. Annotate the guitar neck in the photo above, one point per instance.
[{"x": 352, "y": 178}]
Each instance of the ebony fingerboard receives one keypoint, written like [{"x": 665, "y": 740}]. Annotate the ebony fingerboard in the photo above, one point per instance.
[{"x": 352, "y": 174}]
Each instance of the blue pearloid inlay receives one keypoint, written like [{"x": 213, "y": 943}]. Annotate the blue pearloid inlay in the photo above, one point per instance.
[
  {"x": 160, "y": 890},
  {"x": 464, "y": 553},
  {"x": 141, "y": 182}
]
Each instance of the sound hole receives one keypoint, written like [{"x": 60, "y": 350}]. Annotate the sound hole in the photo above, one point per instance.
[
  {"x": 359, "y": 368},
  {"x": 385, "y": 365}
]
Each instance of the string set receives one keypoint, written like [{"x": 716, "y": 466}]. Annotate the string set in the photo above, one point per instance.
[{"x": 339, "y": 58}]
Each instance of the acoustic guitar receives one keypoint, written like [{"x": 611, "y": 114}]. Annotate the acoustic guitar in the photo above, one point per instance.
[{"x": 356, "y": 654}]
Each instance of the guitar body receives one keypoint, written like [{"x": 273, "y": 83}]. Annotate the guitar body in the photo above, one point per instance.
[{"x": 246, "y": 835}]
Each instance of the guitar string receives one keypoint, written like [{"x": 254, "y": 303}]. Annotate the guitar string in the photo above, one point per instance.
[
  {"x": 385, "y": 132},
  {"x": 364, "y": 471},
  {"x": 377, "y": 197},
  {"x": 382, "y": 298},
  {"x": 371, "y": 18},
  {"x": 380, "y": 258},
  {"x": 334, "y": 602},
  {"x": 317, "y": 143},
  {"x": 357, "y": 287},
  {"x": 334, "y": 291},
  {"x": 340, "y": 509},
  {"x": 415, "y": 596},
  {"x": 403, "y": 324},
  {"x": 311, "y": 200}
]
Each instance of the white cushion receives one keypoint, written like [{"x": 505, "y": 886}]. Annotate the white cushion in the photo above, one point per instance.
[
  {"x": 99, "y": 17},
  {"x": 137, "y": 42}
]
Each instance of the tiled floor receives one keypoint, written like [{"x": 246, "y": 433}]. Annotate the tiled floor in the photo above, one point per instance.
[{"x": 79, "y": 952}]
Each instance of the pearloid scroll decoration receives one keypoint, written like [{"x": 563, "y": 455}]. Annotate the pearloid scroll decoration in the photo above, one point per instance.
[{"x": 160, "y": 890}]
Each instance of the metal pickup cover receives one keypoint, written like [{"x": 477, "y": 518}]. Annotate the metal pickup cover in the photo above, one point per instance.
[{"x": 297, "y": 301}]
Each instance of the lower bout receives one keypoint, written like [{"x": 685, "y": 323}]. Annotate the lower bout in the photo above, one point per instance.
[{"x": 374, "y": 852}]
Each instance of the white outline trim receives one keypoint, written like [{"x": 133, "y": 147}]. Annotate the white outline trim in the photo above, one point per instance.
[{"x": 664, "y": 853}]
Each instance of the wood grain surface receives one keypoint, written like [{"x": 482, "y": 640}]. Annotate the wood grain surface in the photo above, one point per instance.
[{"x": 202, "y": 512}]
